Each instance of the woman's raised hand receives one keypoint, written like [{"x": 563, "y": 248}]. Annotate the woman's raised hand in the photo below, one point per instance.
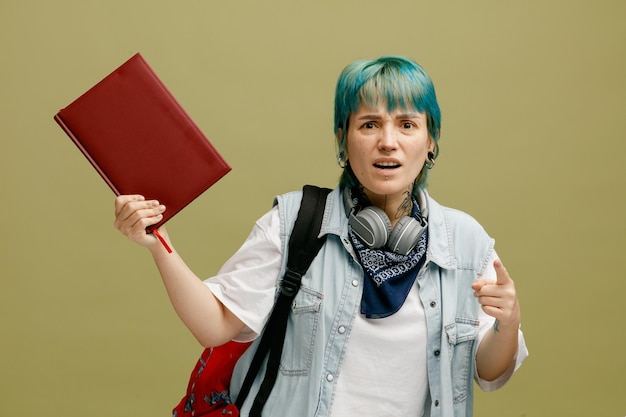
[{"x": 133, "y": 213}]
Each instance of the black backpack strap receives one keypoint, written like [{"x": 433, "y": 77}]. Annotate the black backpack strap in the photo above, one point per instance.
[{"x": 304, "y": 244}]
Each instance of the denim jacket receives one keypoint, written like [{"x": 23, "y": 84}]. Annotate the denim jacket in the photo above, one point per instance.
[{"x": 329, "y": 300}]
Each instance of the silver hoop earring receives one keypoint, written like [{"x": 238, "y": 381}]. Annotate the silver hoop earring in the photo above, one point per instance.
[
  {"x": 341, "y": 160},
  {"x": 431, "y": 160}
]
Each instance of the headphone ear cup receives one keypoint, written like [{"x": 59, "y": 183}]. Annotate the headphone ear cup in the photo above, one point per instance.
[
  {"x": 405, "y": 235},
  {"x": 372, "y": 226}
]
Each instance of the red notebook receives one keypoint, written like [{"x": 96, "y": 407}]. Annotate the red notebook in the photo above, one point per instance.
[{"x": 141, "y": 140}]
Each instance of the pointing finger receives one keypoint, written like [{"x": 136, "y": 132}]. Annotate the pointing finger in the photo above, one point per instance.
[{"x": 502, "y": 275}]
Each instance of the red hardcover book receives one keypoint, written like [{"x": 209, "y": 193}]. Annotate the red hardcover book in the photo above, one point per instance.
[{"x": 141, "y": 140}]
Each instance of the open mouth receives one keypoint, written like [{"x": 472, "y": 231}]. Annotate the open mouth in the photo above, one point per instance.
[{"x": 387, "y": 165}]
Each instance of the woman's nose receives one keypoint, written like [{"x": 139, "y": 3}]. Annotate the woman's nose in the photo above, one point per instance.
[{"x": 387, "y": 141}]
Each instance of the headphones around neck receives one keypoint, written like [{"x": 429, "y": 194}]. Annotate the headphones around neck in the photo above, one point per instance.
[{"x": 373, "y": 227}]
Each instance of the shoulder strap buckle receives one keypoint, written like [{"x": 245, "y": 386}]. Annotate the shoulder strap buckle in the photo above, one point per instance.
[{"x": 290, "y": 283}]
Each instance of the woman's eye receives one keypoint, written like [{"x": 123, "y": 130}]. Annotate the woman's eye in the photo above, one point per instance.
[
  {"x": 369, "y": 125},
  {"x": 408, "y": 125}
]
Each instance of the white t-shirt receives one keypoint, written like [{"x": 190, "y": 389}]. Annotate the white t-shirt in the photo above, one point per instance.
[{"x": 385, "y": 358}]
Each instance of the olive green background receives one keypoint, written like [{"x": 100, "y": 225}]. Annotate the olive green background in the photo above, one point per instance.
[{"x": 532, "y": 145}]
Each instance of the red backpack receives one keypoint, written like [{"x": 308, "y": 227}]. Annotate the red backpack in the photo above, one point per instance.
[{"x": 208, "y": 389}]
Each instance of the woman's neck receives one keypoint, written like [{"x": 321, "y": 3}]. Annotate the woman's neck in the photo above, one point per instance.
[{"x": 394, "y": 206}]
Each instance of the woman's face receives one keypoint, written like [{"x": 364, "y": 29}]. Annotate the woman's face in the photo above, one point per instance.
[{"x": 387, "y": 150}]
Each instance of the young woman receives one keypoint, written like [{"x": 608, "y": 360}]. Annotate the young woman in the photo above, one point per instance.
[{"x": 406, "y": 304}]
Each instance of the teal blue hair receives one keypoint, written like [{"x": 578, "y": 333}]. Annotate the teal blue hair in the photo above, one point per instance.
[{"x": 401, "y": 83}]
